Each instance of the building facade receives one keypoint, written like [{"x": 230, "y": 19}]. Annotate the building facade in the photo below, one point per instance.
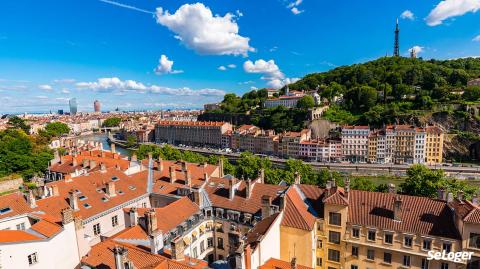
[{"x": 191, "y": 133}]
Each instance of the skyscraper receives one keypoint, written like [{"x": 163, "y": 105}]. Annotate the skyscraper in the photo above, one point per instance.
[
  {"x": 73, "y": 106},
  {"x": 396, "y": 48},
  {"x": 96, "y": 106}
]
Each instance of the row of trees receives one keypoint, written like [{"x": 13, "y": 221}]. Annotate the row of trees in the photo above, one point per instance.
[{"x": 420, "y": 180}]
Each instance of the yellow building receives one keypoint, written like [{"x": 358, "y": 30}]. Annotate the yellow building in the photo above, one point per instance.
[{"x": 434, "y": 145}]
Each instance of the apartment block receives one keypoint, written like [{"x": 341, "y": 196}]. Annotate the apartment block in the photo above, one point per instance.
[
  {"x": 355, "y": 143},
  {"x": 253, "y": 139}
]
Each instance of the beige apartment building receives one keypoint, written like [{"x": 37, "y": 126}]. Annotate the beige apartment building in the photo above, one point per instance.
[
  {"x": 289, "y": 145},
  {"x": 191, "y": 132},
  {"x": 434, "y": 145},
  {"x": 253, "y": 139}
]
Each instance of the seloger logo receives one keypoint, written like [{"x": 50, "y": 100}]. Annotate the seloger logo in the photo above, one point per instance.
[{"x": 449, "y": 256}]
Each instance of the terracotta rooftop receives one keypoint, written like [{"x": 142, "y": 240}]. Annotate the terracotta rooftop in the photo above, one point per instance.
[
  {"x": 279, "y": 264},
  {"x": 192, "y": 123},
  {"x": 296, "y": 212},
  {"x": 12, "y": 236},
  {"x": 260, "y": 229}
]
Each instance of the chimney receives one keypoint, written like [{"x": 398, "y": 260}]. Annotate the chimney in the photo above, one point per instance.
[
  {"x": 266, "y": 206},
  {"x": 205, "y": 176},
  {"x": 85, "y": 163},
  {"x": 347, "y": 186},
  {"x": 156, "y": 242},
  {"x": 298, "y": 178},
  {"x": 93, "y": 164},
  {"x": 442, "y": 194},
  {"x": 188, "y": 178},
  {"x": 475, "y": 200},
  {"x": 460, "y": 196},
  {"x": 56, "y": 157},
  {"x": 74, "y": 161},
  {"x": 197, "y": 197},
  {"x": 103, "y": 168},
  {"x": 173, "y": 174},
  {"x": 328, "y": 186},
  {"x": 31, "y": 199},
  {"x": 151, "y": 221},
  {"x": 205, "y": 164},
  {"x": 150, "y": 156},
  {"x": 184, "y": 166},
  {"x": 261, "y": 175},
  {"x": 133, "y": 158},
  {"x": 112, "y": 148},
  {"x": 102, "y": 154},
  {"x": 248, "y": 188},
  {"x": 160, "y": 164},
  {"x": 55, "y": 191},
  {"x": 133, "y": 216},
  {"x": 73, "y": 200},
  {"x": 110, "y": 186},
  {"x": 397, "y": 208},
  {"x": 231, "y": 189},
  {"x": 67, "y": 215},
  {"x": 220, "y": 167},
  {"x": 449, "y": 197},
  {"x": 121, "y": 258},
  {"x": 177, "y": 248},
  {"x": 293, "y": 263},
  {"x": 391, "y": 188}
]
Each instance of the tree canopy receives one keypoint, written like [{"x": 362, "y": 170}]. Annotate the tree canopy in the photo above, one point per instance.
[{"x": 112, "y": 122}]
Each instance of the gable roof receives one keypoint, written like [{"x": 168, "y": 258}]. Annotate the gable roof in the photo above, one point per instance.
[{"x": 296, "y": 212}]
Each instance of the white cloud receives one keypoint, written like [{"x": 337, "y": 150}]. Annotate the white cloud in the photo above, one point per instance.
[
  {"x": 417, "y": 49},
  {"x": 231, "y": 66},
  {"x": 252, "y": 88},
  {"x": 476, "y": 39},
  {"x": 45, "y": 87},
  {"x": 65, "y": 91},
  {"x": 64, "y": 80},
  {"x": 165, "y": 66},
  {"x": 293, "y": 6},
  {"x": 270, "y": 71},
  {"x": 197, "y": 28},
  {"x": 451, "y": 8},
  {"x": 119, "y": 87},
  {"x": 222, "y": 68},
  {"x": 407, "y": 14}
]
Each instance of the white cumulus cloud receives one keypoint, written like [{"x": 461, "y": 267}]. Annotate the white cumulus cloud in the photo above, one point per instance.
[
  {"x": 222, "y": 68},
  {"x": 293, "y": 6},
  {"x": 197, "y": 28},
  {"x": 45, "y": 87},
  {"x": 119, "y": 87},
  {"x": 476, "y": 39},
  {"x": 407, "y": 14},
  {"x": 417, "y": 49},
  {"x": 451, "y": 8},
  {"x": 165, "y": 66},
  {"x": 270, "y": 72}
]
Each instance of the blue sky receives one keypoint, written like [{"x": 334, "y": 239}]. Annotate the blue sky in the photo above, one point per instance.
[{"x": 161, "y": 54}]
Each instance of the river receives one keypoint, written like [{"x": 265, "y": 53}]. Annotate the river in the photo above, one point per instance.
[{"x": 104, "y": 140}]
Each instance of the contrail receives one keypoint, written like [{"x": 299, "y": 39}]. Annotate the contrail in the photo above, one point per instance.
[{"x": 127, "y": 6}]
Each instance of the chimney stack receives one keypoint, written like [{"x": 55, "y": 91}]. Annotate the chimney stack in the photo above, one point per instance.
[
  {"x": 150, "y": 156},
  {"x": 160, "y": 164},
  {"x": 67, "y": 215},
  {"x": 85, "y": 163},
  {"x": 293, "y": 263},
  {"x": 449, "y": 197},
  {"x": 391, "y": 188},
  {"x": 205, "y": 176},
  {"x": 93, "y": 164},
  {"x": 173, "y": 174},
  {"x": 261, "y": 175},
  {"x": 73, "y": 200},
  {"x": 184, "y": 166},
  {"x": 151, "y": 221},
  {"x": 31, "y": 199},
  {"x": 103, "y": 168},
  {"x": 266, "y": 206},
  {"x": 112, "y": 148},
  {"x": 442, "y": 194},
  {"x": 248, "y": 188},
  {"x": 110, "y": 186},
  {"x": 188, "y": 178},
  {"x": 133, "y": 216},
  {"x": 460, "y": 196},
  {"x": 220, "y": 167},
  {"x": 74, "y": 161},
  {"x": 133, "y": 158},
  {"x": 298, "y": 178},
  {"x": 397, "y": 208},
  {"x": 231, "y": 188},
  {"x": 121, "y": 258},
  {"x": 55, "y": 191},
  {"x": 347, "y": 186},
  {"x": 475, "y": 199}
]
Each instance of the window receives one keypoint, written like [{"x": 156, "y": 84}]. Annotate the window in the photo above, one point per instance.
[
  {"x": 202, "y": 246},
  {"x": 424, "y": 264},
  {"x": 474, "y": 241},
  {"x": 114, "y": 221},
  {"x": 407, "y": 241},
  {"x": 371, "y": 235},
  {"x": 319, "y": 261},
  {"x": 356, "y": 232},
  {"x": 387, "y": 257},
  {"x": 220, "y": 243},
  {"x": 370, "y": 254},
  {"x": 96, "y": 229},
  {"x": 447, "y": 247},
  {"x": 195, "y": 254},
  {"x": 335, "y": 218},
  {"x": 427, "y": 244},
  {"x": 319, "y": 244},
  {"x": 388, "y": 238},
  {"x": 210, "y": 242},
  {"x": 5, "y": 210},
  {"x": 444, "y": 265},
  {"x": 354, "y": 266},
  {"x": 21, "y": 226},
  {"x": 406, "y": 260},
  {"x": 334, "y": 237},
  {"x": 355, "y": 251},
  {"x": 333, "y": 255},
  {"x": 32, "y": 258}
]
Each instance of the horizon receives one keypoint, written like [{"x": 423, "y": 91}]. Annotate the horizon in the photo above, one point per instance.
[{"x": 139, "y": 55}]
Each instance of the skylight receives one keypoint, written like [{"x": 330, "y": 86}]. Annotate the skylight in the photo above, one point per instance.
[
  {"x": 83, "y": 197},
  {"x": 114, "y": 178},
  {"x": 87, "y": 205},
  {"x": 104, "y": 199},
  {"x": 5, "y": 210}
]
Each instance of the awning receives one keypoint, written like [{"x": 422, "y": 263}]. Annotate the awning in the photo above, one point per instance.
[
  {"x": 209, "y": 224},
  {"x": 194, "y": 233},
  {"x": 202, "y": 228},
  {"x": 218, "y": 225},
  {"x": 186, "y": 240}
]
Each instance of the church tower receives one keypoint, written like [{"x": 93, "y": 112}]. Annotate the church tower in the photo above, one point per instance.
[{"x": 396, "y": 48}]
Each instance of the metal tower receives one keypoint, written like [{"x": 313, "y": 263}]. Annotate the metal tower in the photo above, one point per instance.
[{"x": 396, "y": 49}]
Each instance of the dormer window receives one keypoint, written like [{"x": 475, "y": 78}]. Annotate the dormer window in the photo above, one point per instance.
[
  {"x": 82, "y": 197},
  {"x": 104, "y": 199},
  {"x": 87, "y": 205},
  {"x": 121, "y": 192}
]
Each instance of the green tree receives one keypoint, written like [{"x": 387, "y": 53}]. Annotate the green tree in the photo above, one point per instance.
[
  {"x": 360, "y": 99},
  {"x": 422, "y": 181},
  {"x": 472, "y": 93},
  {"x": 19, "y": 123},
  {"x": 131, "y": 141},
  {"x": 55, "y": 129},
  {"x": 112, "y": 122},
  {"x": 306, "y": 102},
  {"x": 363, "y": 184}
]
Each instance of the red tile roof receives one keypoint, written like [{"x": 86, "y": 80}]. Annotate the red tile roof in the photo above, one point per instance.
[
  {"x": 296, "y": 212},
  {"x": 46, "y": 228},
  {"x": 12, "y": 236},
  {"x": 279, "y": 264}
]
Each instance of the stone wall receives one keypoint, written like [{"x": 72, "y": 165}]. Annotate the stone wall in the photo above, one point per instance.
[{"x": 11, "y": 184}]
